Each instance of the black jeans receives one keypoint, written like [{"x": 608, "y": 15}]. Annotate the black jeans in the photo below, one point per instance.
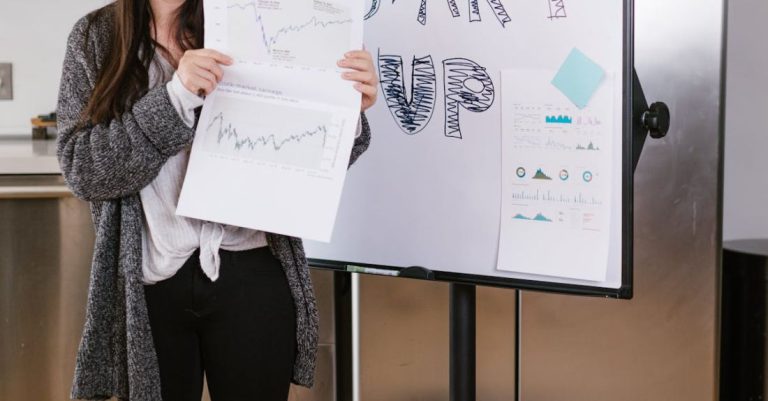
[{"x": 240, "y": 330}]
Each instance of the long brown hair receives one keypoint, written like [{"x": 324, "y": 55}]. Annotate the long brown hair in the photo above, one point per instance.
[{"x": 124, "y": 75}]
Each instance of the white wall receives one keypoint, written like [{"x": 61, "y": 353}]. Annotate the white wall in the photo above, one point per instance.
[
  {"x": 33, "y": 35},
  {"x": 746, "y": 131}
]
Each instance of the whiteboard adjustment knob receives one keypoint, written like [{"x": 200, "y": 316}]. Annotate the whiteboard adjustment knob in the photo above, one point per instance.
[{"x": 656, "y": 120}]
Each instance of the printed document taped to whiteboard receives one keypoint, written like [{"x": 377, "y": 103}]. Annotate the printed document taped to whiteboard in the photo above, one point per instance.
[
  {"x": 557, "y": 170},
  {"x": 273, "y": 141}
]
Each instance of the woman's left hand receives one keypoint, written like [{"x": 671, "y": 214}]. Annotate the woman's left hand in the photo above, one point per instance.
[{"x": 364, "y": 75}]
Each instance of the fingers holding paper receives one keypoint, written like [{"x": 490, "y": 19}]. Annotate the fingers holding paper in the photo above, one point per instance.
[
  {"x": 200, "y": 70},
  {"x": 362, "y": 72}
]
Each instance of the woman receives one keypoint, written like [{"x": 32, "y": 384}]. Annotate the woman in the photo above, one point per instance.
[{"x": 173, "y": 298}]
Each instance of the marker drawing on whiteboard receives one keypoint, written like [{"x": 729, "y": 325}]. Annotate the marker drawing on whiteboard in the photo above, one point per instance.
[
  {"x": 467, "y": 86},
  {"x": 413, "y": 114},
  {"x": 474, "y": 11},
  {"x": 499, "y": 11},
  {"x": 556, "y": 9},
  {"x": 422, "y": 17},
  {"x": 454, "y": 8},
  {"x": 375, "y": 4}
]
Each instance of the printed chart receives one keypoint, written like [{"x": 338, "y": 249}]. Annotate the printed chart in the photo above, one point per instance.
[
  {"x": 556, "y": 174},
  {"x": 310, "y": 33},
  {"x": 280, "y": 134},
  {"x": 274, "y": 139}
]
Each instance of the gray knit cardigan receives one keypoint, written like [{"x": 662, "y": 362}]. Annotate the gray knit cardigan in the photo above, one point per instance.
[{"x": 107, "y": 165}]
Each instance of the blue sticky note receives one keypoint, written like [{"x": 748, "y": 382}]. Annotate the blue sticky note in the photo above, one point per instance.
[{"x": 578, "y": 78}]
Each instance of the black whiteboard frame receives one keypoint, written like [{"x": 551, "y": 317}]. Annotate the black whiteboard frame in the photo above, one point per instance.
[{"x": 631, "y": 129}]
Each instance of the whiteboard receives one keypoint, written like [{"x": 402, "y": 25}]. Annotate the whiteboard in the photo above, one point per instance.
[{"x": 428, "y": 190}]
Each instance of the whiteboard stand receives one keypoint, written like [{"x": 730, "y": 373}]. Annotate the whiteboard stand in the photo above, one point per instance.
[
  {"x": 462, "y": 335},
  {"x": 463, "y": 342},
  {"x": 343, "y": 320}
]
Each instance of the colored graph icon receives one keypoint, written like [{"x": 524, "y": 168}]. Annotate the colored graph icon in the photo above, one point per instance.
[
  {"x": 541, "y": 217},
  {"x": 538, "y": 217},
  {"x": 587, "y": 176},
  {"x": 564, "y": 175},
  {"x": 560, "y": 119},
  {"x": 520, "y": 172},
  {"x": 540, "y": 175},
  {"x": 591, "y": 146}
]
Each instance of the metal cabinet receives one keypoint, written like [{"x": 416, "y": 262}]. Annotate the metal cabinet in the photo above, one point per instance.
[{"x": 46, "y": 243}]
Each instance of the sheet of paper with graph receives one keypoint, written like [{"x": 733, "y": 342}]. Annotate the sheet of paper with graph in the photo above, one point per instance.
[{"x": 273, "y": 141}]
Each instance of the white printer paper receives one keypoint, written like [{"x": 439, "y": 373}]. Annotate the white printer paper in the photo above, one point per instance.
[
  {"x": 556, "y": 179},
  {"x": 273, "y": 141}
]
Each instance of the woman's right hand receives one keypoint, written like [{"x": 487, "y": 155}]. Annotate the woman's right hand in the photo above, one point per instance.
[{"x": 200, "y": 70}]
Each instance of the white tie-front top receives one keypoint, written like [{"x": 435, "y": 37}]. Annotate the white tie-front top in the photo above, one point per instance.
[{"x": 169, "y": 240}]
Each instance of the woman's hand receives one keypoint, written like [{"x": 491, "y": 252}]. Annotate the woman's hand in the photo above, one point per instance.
[
  {"x": 200, "y": 70},
  {"x": 363, "y": 73}
]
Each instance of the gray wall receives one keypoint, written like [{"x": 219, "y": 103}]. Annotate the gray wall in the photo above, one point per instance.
[
  {"x": 746, "y": 131},
  {"x": 33, "y": 36}
]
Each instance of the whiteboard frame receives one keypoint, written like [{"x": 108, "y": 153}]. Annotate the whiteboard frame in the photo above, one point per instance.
[{"x": 630, "y": 127}]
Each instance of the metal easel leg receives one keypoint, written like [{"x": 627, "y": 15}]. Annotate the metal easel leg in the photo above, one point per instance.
[
  {"x": 518, "y": 342},
  {"x": 463, "y": 321}
]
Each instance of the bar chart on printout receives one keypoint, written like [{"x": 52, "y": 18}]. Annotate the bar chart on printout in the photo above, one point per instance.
[{"x": 282, "y": 134}]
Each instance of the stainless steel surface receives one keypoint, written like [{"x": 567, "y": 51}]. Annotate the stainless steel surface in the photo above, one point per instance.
[
  {"x": 45, "y": 251},
  {"x": 662, "y": 345},
  {"x": 21, "y": 155},
  {"x": 404, "y": 341},
  {"x": 325, "y": 379},
  {"x": 33, "y": 186}
]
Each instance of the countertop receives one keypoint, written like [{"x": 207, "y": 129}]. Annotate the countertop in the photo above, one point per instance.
[
  {"x": 22, "y": 155},
  {"x": 756, "y": 246}
]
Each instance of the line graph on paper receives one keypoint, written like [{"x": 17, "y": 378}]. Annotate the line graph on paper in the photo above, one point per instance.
[
  {"x": 283, "y": 31},
  {"x": 282, "y": 135}
]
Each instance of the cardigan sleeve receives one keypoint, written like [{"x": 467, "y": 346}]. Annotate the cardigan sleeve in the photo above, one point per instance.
[
  {"x": 184, "y": 101},
  {"x": 119, "y": 157},
  {"x": 362, "y": 141}
]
